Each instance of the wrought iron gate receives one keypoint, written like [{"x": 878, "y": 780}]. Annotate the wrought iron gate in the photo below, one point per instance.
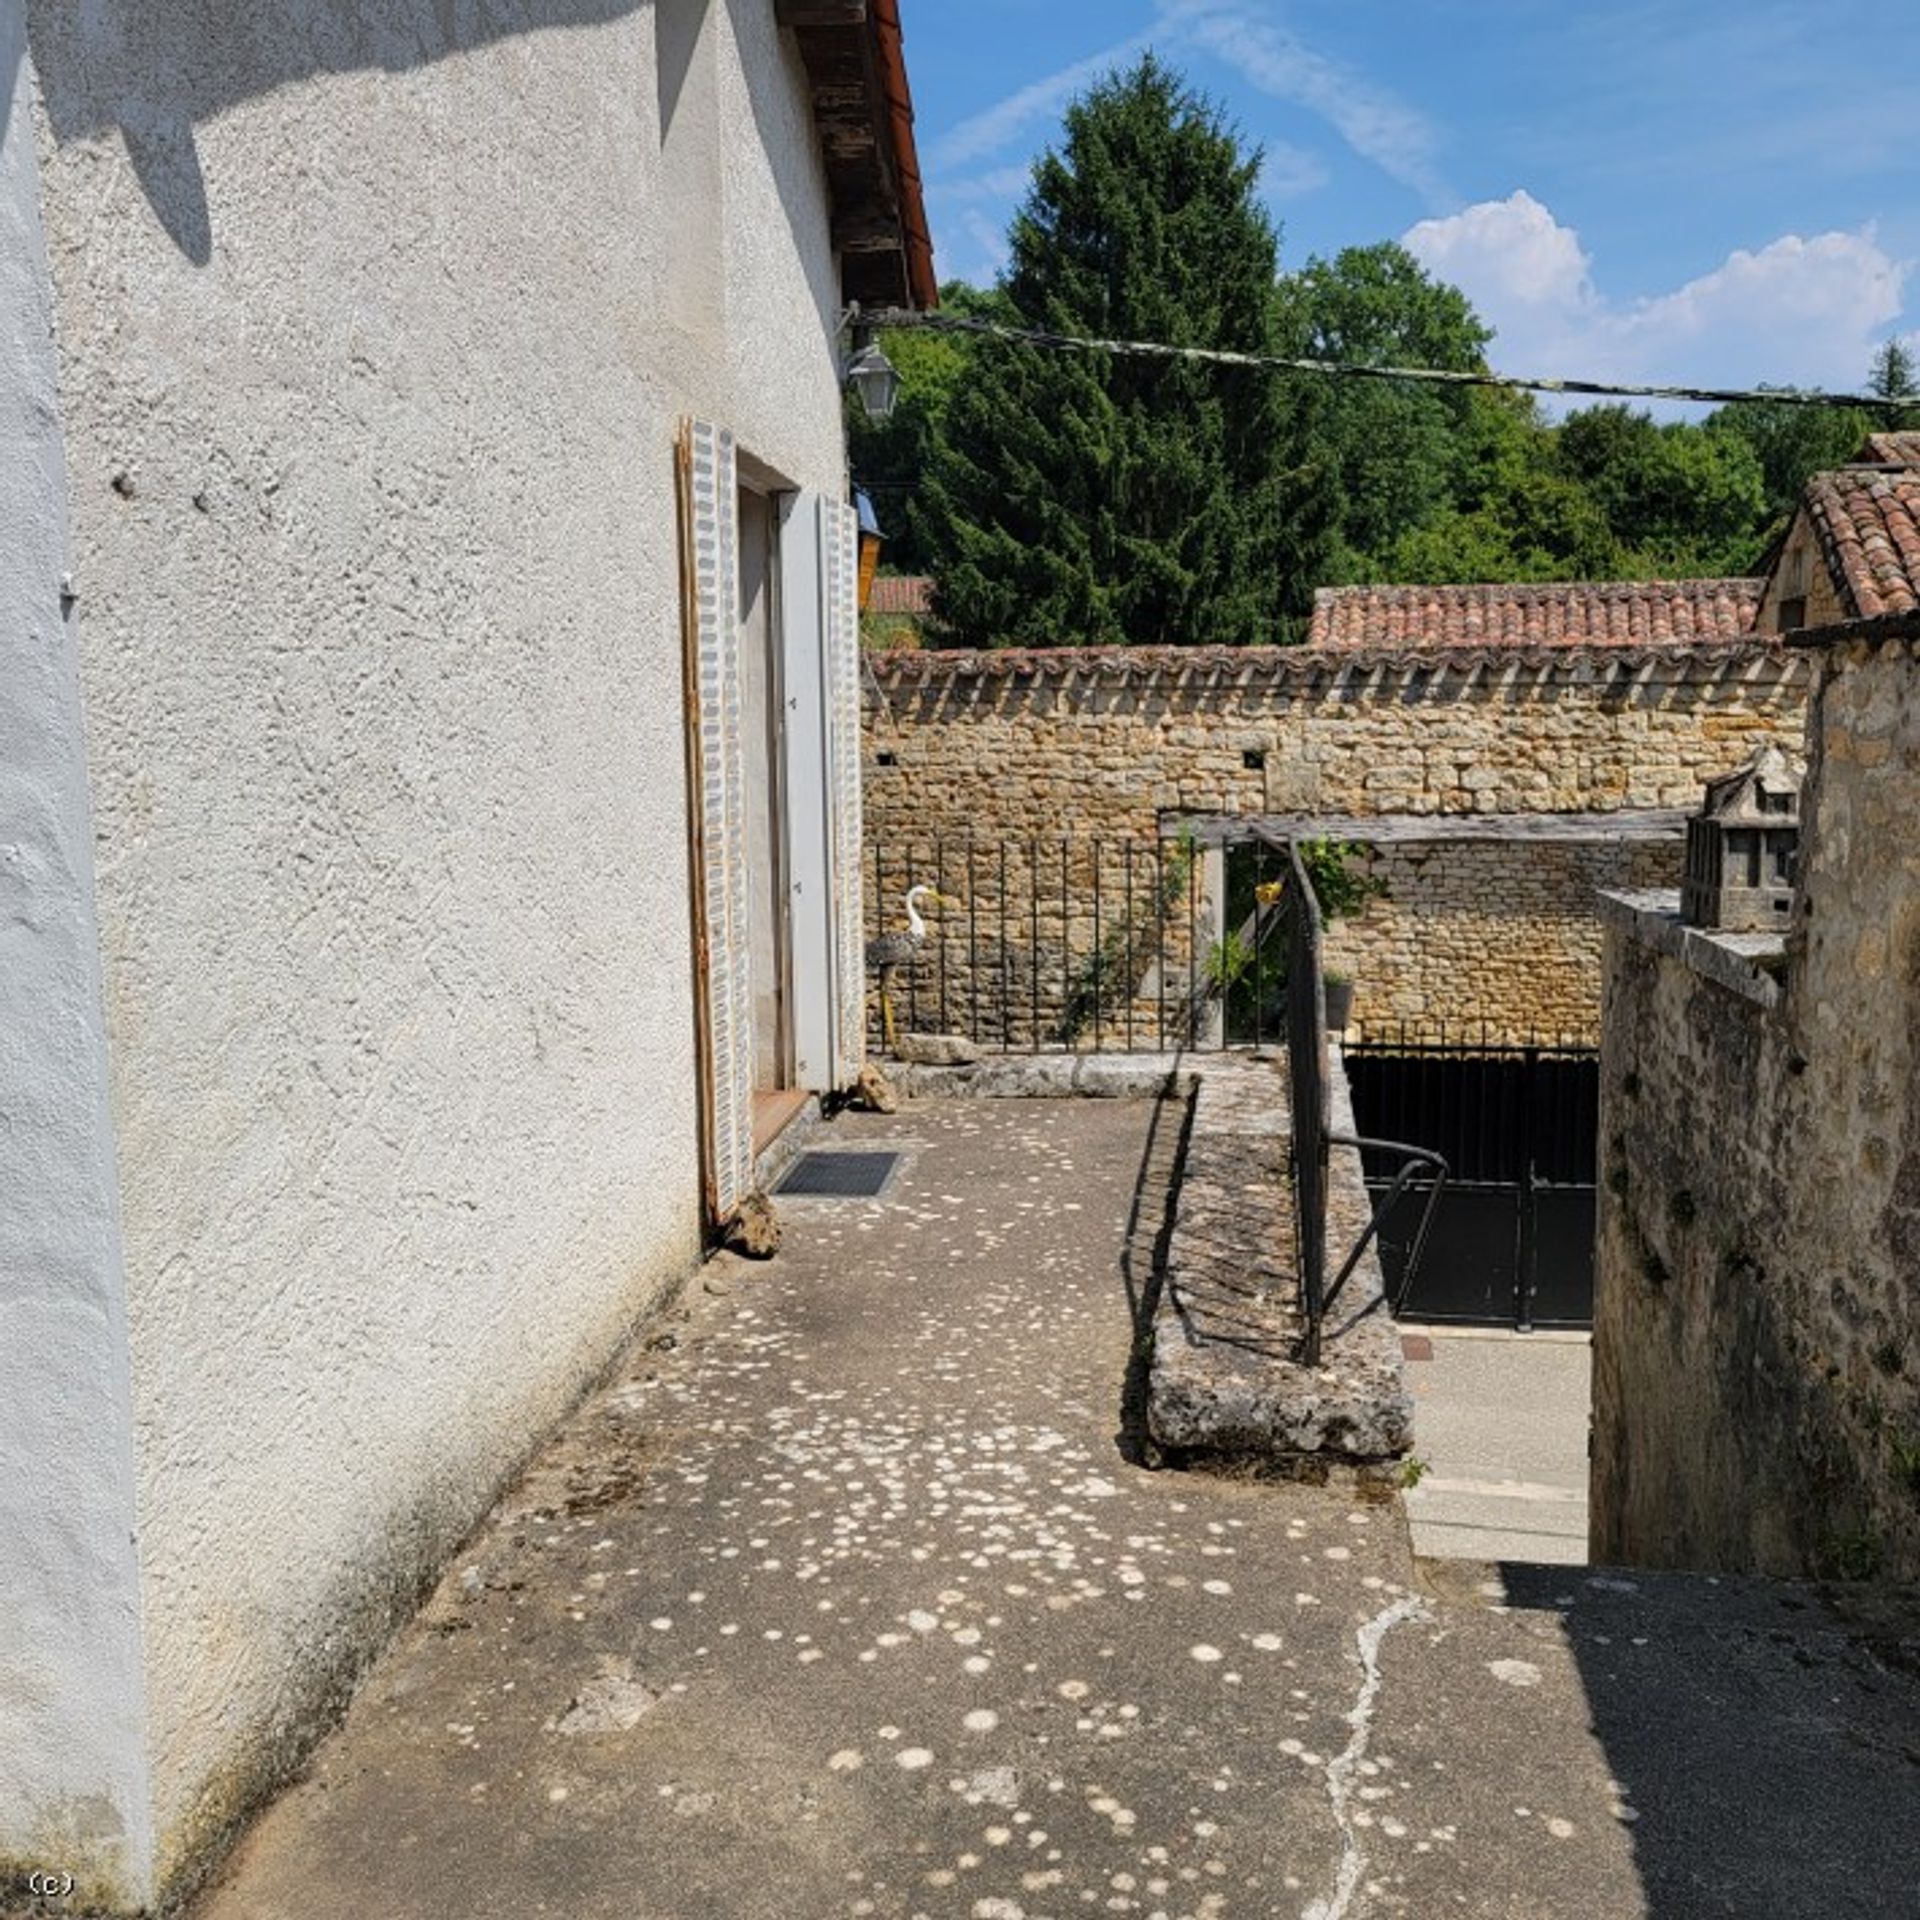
[{"x": 1512, "y": 1238}]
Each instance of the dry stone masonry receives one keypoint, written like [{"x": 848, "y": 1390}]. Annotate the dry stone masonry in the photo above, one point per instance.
[
  {"x": 1757, "y": 1313},
  {"x": 985, "y": 750}
]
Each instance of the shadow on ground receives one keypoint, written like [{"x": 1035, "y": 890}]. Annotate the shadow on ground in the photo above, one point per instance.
[
  {"x": 1143, "y": 1263},
  {"x": 1763, "y": 1745}
]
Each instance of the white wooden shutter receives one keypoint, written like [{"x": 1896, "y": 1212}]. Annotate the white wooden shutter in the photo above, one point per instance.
[
  {"x": 712, "y": 597},
  {"x": 820, "y": 669},
  {"x": 809, "y": 809},
  {"x": 840, "y": 543}
]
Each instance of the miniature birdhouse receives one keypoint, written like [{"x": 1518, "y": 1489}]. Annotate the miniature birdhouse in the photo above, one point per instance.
[{"x": 1741, "y": 849}]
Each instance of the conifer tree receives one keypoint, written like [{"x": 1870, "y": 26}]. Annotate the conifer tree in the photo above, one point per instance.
[
  {"x": 1892, "y": 378},
  {"x": 1095, "y": 498}
]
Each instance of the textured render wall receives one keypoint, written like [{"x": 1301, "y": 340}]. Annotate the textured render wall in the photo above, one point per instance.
[
  {"x": 1469, "y": 934},
  {"x": 376, "y": 325},
  {"x": 1757, "y": 1319},
  {"x": 73, "y": 1772}
]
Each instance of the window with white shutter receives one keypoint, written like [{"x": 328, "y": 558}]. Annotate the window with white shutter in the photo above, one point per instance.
[
  {"x": 724, "y": 1012},
  {"x": 821, "y": 657}
]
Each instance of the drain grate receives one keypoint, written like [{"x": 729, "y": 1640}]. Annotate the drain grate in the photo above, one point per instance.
[{"x": 839, "y": 1176}]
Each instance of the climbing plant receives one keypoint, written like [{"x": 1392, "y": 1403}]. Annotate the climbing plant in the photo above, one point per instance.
[{"x": 1111, "y": 974}]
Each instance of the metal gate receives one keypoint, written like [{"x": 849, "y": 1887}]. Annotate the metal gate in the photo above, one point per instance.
[{"x": 1512, "y": 1237}]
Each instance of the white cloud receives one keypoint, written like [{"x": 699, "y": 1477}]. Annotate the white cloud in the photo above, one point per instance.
[
  {"x": 999, "y": 184},
  {"x": 1798, "y": 311},
  {"x": 1512, "y": 256},
  {"x": 1378, "y": 127},
  {"x": 1290, "y": 173},
  {"x": 997, "y": 126},
  {"x": 990, "y": 251},
  {"x": 1382, "y": 129}
]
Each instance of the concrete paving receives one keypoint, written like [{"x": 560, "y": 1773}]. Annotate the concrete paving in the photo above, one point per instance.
[
  {"x": 1500, "y": 1427},
  {"x": 846, "y": 1598}
]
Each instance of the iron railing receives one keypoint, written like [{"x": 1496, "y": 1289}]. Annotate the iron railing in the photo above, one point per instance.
[
  {"x": 1064, "y": 944},
  {"x": 1309, "y": 1087},
  {"x": 1082, "y": 944},
  {"x": 1519, "y": 1125}
]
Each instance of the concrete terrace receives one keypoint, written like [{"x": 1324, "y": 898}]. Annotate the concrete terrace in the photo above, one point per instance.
[{"x": 846, "y": 1597}]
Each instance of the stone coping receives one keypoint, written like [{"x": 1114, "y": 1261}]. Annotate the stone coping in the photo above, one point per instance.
[
  {"x": 1051, "y": 1076},
  {"x": 1743, "y": 963},
  {"x": 1224, "y": 1384},
  {"x": 912, "y": 670}
]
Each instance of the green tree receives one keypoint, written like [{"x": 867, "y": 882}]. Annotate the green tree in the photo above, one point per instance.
[
  {"x": 889, "y": 457},
  {"x": 1394, "y": 451},
  {"x": 1679, "y": 498},
  {"x": 1791, "y": 443},
  {"x": 1088, "y": 497},
  {"x": 1516, "y": 515},
  {"x": 1894, "y": 379}
]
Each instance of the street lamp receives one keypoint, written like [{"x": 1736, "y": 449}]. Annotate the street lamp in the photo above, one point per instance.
[{"x": 874, "y": 378}]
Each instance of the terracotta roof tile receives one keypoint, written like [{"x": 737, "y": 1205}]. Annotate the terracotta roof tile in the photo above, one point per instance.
[
  {"x": 1563, "y": 614},
  {"x": 1901, "y": 449},
  {"x": 1868, "y": 523},
  {"x": 901, "y": 593}
]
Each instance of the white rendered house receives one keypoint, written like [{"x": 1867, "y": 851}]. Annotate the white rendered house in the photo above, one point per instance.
[{"x": 428, "y": 798}]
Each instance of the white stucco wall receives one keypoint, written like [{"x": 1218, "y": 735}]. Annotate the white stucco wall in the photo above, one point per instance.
[
  {"x": 73, "y": 1780},
  {"x": 373, "y": 346}
]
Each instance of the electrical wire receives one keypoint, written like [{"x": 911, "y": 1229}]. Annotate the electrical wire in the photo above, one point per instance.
[{"x": 902, "y": 317}]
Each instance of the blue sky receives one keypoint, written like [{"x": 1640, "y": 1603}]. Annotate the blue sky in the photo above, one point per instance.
[{"x": 1683, "y": 190}]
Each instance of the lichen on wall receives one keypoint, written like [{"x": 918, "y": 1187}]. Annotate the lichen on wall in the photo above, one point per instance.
[{"x": 1757, "y": 1313}]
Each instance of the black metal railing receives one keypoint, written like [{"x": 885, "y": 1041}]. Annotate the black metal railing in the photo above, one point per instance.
[
  {"x": 1081, "y": 944},
  {"x": 1519, "y": 1123},
  {"x": 1064, "y": 944},
  {"x": 1309, "y": 1097},
  {"x": 1309, "y": 1088}
]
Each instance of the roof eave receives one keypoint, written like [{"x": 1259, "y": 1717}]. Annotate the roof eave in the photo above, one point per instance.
[{"x": 863, "y": 115}]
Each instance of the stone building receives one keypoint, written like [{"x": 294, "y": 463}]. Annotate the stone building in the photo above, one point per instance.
[
  {"x": 408, "y": 410},
  {"x": 1498, "y": 785},
  {"x": 1501, "y": 752},
  {"x": 1852, "y": 551},
  {"x": 1757, "y": 1313}
]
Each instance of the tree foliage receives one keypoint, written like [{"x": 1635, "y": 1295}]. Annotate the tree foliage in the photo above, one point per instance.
[
  {"x": 1894, "y": 379},
  {"x": 1075, "y": 497},
  {"x": 890, "y": 456},
  {"x": 1095, "y": 498},
  {"x": 1391, "y": 452},
  {"x": 1790, "y": 443}
]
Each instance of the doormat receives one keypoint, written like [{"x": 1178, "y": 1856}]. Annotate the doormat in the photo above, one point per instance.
[{"x": 839, "y": 1176}]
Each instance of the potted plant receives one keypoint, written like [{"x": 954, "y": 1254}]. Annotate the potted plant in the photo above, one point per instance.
[
  {"x": 1342, "y": 889},
  {"x": 1336, "y": 992}
]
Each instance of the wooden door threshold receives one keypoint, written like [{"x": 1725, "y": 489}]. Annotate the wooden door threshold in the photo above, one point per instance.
[{"x": 773, "y": 1114}]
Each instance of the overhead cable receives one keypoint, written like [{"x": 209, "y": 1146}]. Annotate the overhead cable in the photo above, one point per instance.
[{"x": 1360, "y": 370}]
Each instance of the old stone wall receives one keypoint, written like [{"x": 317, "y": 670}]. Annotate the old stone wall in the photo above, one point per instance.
[
  {"x": 1757, "y": 1319},
  {"x": 1488, "y": 939},
  {"x": 980, "y": 750}
]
